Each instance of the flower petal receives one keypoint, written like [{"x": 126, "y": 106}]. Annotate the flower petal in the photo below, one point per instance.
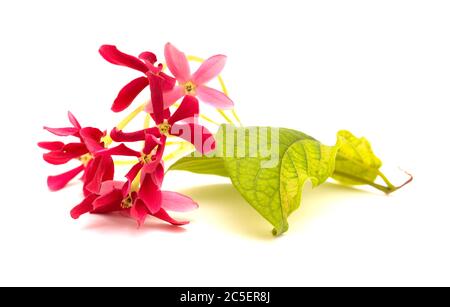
[
  {"x": 139, "y": 212},
  {"x": 56, "y": 183},
  {"x": 163, "y": 215},
  {"x": 169, "y": 98},
  {"x": 73, "y": 120},
  {"x": 168, "y": 82},
  {"x": 110, "y": 185},
  {"x": 114, "y": 56},
  {"x": 177, "y": 63},
  {"x": 148, "y": 56},
  {"x": 67, "y": 153},
  {"x": 128, "y": 93},
  {"x": 92, "y": 138},
  {"x": 57, "y": 157},
  {"x": 150, "y": 194},
  {"x": 120, "y": 136},
  {"x": 151, "y": 166},
  {"x": 132, "y": 173},
  {"x": 173, "y": 201},
  {"x": 76, "y": 149},
  {"x": 157, "y": 174},
  {"x": 108, "y": 202},
  {"x": 84, "y": 207},
  {"x": 150, "y": 59},
  {"x": 187, "y": 109},
  {"x": 197, "y": 135},
  {"x": 156, "y": 98},
  {"x": 51, "y": 145},
  {"x": 120, "y": 150},
  {"x": 101, "y": 169},
  {"x": 68, "y": 131},
  {"x": 214, "y": 98},
  {"x": 209, "y": 69},
  {"x": 150, "y": 143}
]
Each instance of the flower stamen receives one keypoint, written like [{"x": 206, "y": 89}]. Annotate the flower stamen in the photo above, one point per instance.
[
  {"x": 146, "y": 158},
  {"x": 127, "y": 203},
  {"x": 84, "y": 159},
  {"x": 190, "y": 88},
  {"x": 164, "y": 128}
]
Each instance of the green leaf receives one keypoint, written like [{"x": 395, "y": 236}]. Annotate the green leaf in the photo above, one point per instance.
[
  {"x": 201, "y": 165},
  {"x": 269, "y": 166},
  {"x": 270, "y": 178},
  {"x": 355, "y": 162}
]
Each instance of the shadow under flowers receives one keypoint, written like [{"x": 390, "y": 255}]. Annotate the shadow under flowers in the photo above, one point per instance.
[
  {"x": 118, "y": 223},
  {"x": 223, "y": 206}
]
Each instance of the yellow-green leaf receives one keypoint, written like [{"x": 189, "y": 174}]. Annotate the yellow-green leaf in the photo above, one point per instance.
[{"x": 355, "y": 162}]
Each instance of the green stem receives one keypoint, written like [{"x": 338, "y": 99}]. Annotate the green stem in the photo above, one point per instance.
[
  {"x": 386, "y": 189},
  {"x": 389, "y": 184}
]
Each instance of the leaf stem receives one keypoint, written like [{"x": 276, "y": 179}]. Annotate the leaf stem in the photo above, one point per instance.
[
  {"x": 390, "y": 188},
  {"x": 389, "y": 184}
]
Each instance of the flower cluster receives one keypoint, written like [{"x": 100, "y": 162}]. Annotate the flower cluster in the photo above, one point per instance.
[{"x": 173, "y": 106}]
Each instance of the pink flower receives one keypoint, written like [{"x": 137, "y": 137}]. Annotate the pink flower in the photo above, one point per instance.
[
  {"x": 96, "y": 169},
  {"x": 114, "y": 197},
  {"x": 194, "y": 84},
  {"x": 181, "y": 123},
  {"x": 150, "y": 166},
  {"x": 144, "y": 63}
]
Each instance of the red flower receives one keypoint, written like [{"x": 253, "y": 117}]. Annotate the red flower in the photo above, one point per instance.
[
  {"x": 96, "y": 169},
  {"x": 182, "y": 123},
  {"x": 145, "y": 63},
  {"x": 115, "y": 197},
  {"x": 150, "y": 167},
  {"x": 141, "y": 193}
]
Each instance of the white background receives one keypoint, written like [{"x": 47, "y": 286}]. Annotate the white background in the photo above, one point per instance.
[{"x": 378, "y": 68}]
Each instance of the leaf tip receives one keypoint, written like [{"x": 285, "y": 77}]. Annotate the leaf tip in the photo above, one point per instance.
[{"x": 278, "y": 232}]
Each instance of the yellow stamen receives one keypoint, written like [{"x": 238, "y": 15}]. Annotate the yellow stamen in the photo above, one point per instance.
[
  {"x": 84, "y": 159},
  {"x": 189, "y": 88},
  {"x": 145, "y": 158},
  {"x": 127, "y": 203},
  {"x": 164, "y": 128}
]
